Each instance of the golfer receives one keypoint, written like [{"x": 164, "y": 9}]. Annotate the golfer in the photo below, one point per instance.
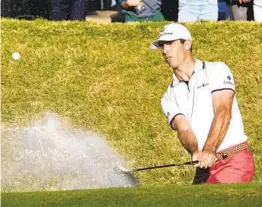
[{"x": 200, "y": 104}]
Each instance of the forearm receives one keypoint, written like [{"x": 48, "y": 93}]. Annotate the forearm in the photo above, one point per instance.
[
  {"x": 188, "y": 140},
  {"x": 185, "y": 134},
  {"x": 218, "y": 130}
]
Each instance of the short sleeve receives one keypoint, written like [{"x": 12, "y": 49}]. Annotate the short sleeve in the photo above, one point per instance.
[
  {"x": 221, "y": 78},
  {"x": 169, "y": 105}
]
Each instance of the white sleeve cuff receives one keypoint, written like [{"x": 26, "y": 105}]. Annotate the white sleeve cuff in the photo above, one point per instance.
[{"x": 170, "y": 108}]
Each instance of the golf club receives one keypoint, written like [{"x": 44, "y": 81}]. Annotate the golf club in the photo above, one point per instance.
[{"x": 125, "y": 170}]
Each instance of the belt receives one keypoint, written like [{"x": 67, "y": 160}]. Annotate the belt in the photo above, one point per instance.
[{"x": 223, "y": 154}]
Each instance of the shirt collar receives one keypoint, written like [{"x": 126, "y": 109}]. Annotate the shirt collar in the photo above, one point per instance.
[{"x": 198, "y": 65}]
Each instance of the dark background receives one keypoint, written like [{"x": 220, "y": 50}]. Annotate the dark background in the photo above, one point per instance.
[{"x": 30, "y": 9}]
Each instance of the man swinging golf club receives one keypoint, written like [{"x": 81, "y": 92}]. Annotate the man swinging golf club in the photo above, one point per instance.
[{"x": 201, "y": 105}]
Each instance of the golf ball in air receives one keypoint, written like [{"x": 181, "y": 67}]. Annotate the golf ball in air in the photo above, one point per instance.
[{"x": 16, "y": 56}]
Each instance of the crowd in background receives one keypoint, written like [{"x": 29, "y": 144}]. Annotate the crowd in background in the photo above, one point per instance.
[{"x": 135, "y": 10}]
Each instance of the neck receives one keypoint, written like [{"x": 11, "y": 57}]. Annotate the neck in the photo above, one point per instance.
[{"x": 185, "y": 71}]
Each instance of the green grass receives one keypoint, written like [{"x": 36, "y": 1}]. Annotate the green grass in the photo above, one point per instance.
[
  {"x": 203, "y": 196},
  {"x": 105, "y": 78}
]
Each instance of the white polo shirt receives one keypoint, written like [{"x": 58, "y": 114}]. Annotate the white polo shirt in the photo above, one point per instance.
[{"x": 194, "y": 101}]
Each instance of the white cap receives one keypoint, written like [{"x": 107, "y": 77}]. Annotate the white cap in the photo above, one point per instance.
[{"x": 172, "y": 32}]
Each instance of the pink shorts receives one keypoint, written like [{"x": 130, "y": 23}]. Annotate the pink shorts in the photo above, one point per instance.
[{"x": 237, "y": 168}]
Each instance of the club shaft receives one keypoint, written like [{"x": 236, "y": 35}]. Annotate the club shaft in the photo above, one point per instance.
[{"x": 163, "y": 166}]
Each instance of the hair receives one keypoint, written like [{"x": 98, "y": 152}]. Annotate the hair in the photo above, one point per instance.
[{"x": 182, "y": 41}]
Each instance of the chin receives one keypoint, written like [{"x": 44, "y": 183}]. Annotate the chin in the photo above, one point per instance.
[
  {"x": 173, "y": 65},
  {"x": 169, "y": 63}
]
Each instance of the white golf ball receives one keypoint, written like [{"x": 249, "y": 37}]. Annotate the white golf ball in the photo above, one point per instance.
[{"x": 16, "y": 55}]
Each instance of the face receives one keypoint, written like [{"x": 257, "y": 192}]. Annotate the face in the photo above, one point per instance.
[{"x": 174, "y": 53}]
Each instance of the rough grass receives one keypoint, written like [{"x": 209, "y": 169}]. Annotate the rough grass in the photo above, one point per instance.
[
  {"x": 105, "y": 78},
  {"x": 196, "y": 196}
]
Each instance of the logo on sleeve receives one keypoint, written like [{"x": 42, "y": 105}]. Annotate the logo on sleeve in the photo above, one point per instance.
[{"x": 229, "y": 80}]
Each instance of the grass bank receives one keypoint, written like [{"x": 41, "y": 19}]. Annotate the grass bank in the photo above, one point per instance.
[
  {"x": 203, "y": 196},
  {"x": 105, "y": 78}
]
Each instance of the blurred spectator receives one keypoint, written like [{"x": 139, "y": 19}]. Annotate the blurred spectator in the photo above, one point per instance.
[
  {"x": 107, "y": 4},
  {"x": 238, "y": 9},
  {"x": 170, "y": 9},
  {"x": 115, "y": 6},
  {"x": 221, "y": 10},
  {"x": 137, "y": 10},
  {"x": 68, "y": 9},
  {"x": 24, "y": 9},
  {"x": 257, "y": 8},
  {"x": 192, "y": 10},
  {"x": 93, "y": 6},
  {"x": 6, "y": 8}
]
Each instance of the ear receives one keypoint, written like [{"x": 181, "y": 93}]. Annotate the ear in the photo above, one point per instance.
[{"x": 187, "y": 45}]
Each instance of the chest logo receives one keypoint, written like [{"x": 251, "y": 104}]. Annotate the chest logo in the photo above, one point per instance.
[{"x": 202, "y": 85}]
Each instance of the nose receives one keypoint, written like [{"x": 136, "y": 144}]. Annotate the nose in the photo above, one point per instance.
[{"x": 165, "y": 49}]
